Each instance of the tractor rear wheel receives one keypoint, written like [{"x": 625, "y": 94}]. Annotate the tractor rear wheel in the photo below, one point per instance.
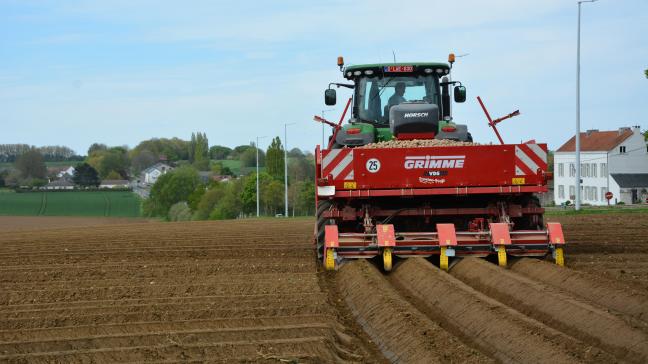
[{"x": 322, "y": 206}]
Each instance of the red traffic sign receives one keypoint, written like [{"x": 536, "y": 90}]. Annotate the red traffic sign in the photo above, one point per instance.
[{"x": 608, "y": 195}]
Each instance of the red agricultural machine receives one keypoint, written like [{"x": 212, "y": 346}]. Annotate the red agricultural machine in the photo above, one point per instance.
[{"x": 401, "y": 178}]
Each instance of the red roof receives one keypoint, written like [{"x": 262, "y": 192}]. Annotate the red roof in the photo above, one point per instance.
[{"x": 597, "y": 141}]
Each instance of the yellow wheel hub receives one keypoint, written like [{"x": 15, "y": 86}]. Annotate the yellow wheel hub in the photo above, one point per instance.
[
  {"x": 329, "y": 262},
  {"x": 501, "y": 255},
  {"x": 560, "y": 257},
  {"x": 443, "y": 259},
  {"x": 387, "y": 259}
]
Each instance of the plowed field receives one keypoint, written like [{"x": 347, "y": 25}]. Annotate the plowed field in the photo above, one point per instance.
[
  {"x": 251, "y": 291},
  {"x": 236, "y": 291}
]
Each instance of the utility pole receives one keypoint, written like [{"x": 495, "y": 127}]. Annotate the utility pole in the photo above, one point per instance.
[
  {"x": 286, "y": 167},
  {"x": 257, "y": 172},
  {"x": 578, "y": 163}
]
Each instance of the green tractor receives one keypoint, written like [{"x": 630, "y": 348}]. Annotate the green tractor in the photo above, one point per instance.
[{"x": 399, "y": 101}]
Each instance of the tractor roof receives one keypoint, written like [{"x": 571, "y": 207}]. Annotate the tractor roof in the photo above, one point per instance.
[{"x": 351, "y": 72}]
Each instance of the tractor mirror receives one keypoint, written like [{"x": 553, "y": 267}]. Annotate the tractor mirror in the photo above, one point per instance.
[
  {"x": 460, "y": 94},
  {"x": 330, "y": 97}
]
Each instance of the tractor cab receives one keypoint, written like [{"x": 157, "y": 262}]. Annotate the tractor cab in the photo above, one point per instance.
[{"x": 399, "y": 100}]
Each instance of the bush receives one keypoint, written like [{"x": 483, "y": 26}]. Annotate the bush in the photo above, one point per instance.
[
  {"x": 179, "y": 212},
  {"x": 171, "y": 188}
]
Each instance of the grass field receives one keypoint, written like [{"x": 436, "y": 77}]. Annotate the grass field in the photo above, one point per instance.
[{"x": 111, "y": 204}]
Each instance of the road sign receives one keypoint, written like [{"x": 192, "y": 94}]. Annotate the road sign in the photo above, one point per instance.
[{"x": 609, "y": 195}]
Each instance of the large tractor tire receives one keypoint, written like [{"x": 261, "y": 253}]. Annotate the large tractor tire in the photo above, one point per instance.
[{"x": 322, "y": 206}]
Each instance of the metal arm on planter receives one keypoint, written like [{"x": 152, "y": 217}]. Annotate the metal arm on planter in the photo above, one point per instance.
[
  {"x": 336, "y": 127},
  {"x": 493, "y": 123}
]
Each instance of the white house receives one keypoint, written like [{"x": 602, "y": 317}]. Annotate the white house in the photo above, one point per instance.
[
  {"x": 152, "y": 173},
  {"x": 614, "y": 161},
  {"x": 60, "y": 184},
  {"x": 66, "y": 172},
  {"x": 114, "y": 183}
]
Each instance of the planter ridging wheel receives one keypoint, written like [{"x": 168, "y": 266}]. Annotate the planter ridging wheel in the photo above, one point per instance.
[{"x": 322, "y": 206}]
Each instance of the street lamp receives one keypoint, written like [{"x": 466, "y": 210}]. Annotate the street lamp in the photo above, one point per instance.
[
  {"x": 323, "y": 112},
  {"x": 578, "y": 164},
  {"x": 257, "y": 172},
  {"x": 286, "y": 167}
]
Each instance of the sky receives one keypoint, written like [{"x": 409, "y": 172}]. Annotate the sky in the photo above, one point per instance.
[{"x": 118, "y": 72}]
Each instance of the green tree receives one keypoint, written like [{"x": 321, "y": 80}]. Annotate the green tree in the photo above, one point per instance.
[
  {"x": 142, "y": 159},
  {"x": 114, "y": 159},
  {"x": 272, "y": 197},
  {"x": 97, "y": 147},
  {"x": 113, "y": 175},
  {"x": 275, "y": 159},
  {"x": 229, "y": 206},
  {"x": 248, "y": 157},
  {"x": 201, "y": 152},
  {"x": 646, "y": 73},
  {"x": 31, "y": 164},
  {"x": 248, "y": 192},
  {"x": 85, "y": 175},
  {"x": 218, "y": 152},
  {"x": 192, "y": 147},
  {"x": 195, "y": 196},
  {"x": 179, "y": 212},
  {"x": 174, "y": 149},
  {"x": 306, "y": 199},
  {"x": 208, "y": 201},
  {"x": 171, "y": 188},
  {"x": 219, "y": 169}
]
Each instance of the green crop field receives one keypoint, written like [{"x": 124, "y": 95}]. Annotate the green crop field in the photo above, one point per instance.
[{"x": 100, "y": 203}]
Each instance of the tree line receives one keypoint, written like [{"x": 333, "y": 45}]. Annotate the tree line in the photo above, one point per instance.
[
  {"x": 181, "y": 195},
  {"x": 9, "y": 153}
]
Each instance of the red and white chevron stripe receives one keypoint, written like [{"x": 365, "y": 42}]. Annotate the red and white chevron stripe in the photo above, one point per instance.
[
  {"x": 528, "y": 158},
  {"x": 338, "y": 163}
]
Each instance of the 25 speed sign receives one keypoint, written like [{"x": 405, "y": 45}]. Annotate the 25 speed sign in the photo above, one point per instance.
[{"x": 373, "y": 165}]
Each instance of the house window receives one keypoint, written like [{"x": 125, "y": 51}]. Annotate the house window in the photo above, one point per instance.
[
  {"x": 590, "y": 194},
  {"x": 594, "y": 197},
  {"x": 561, "y": 191},
  {"x": 622, "y": 149},
  {"x": 603, "y": 169},
  {"x": 603, "y": 192},
  {"x": 572, "y": 170},
  {"x": 593, "y": 169},
  {"x": 587, "y": 170},
  {"x": 572, "y": 192},
  {"x": 561, "y": 170}
]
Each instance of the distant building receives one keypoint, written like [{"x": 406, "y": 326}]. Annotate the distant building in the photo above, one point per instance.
[
  {"x": 66, "y": 172},
  {"x": 152, "y": 173},
  {"x": 114, "y": 183},
  {"x": 60, "y": 172},
  {"x": 611, "y": 161},
  {"x": 221, "y": 178},
  {"x": 60, "y": 184}
]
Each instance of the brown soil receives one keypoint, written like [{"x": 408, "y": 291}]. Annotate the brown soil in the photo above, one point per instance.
[
  {"x": 31, "y": 223},
  {"x": 122, "y": 290},
  {"x": 402, "y": 332},
  {"x": 237, "y": 291},
  {"x": 612, "y": 246},
  {"x": 605, "y": 292},
  {"x": 495, "y": 328},
  {"x": 590, "y": 323}
]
